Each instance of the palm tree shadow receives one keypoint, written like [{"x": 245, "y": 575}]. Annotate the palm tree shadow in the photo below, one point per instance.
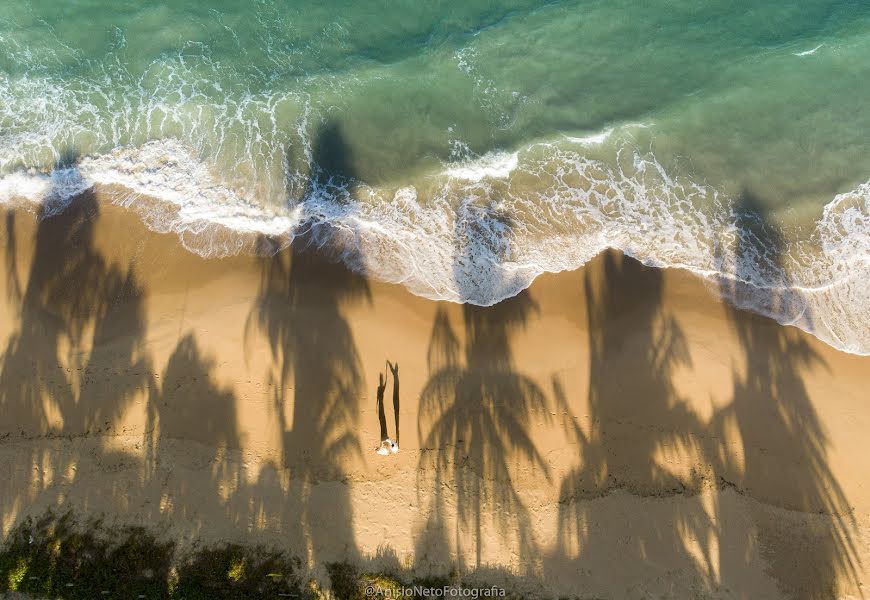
[
  {"x": 77, "y": 359},
  {"x": 75, "y": 308},
  {"x": 638, "y": 420},
  {"x": 13, "y": 285},
  {"x": 190, "y": 406},
  {"x": 332, "y": 159},
  {"x": 475, "y": 413},
  {"x": 785, "y": 446},
  {"x": 331, "y": 178},
  {"x": 316, "y": 370}
]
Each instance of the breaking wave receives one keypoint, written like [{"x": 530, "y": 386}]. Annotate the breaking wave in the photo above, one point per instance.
[{"x": 483, "y": 229}]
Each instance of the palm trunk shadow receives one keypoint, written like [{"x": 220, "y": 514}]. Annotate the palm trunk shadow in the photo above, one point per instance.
[
  {"x": 635, "y": 412},
  {"x": 785, "y": 460},
  {"x": 475, "y": 415},
  {"x": 299, "y": 310}
]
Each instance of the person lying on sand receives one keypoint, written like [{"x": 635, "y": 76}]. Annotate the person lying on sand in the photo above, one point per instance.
[{"x": 387, "y": 445}]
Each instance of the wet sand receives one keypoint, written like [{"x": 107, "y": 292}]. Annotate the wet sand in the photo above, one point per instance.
[{"x": 614, "y": 432}]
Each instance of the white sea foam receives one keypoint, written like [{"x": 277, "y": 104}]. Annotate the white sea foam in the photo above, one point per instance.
[
  {"x": 249, "y": 134},
  {"x": 491, "y": 165},
  {"x": 192, "y": 202},
  {"x": 217, "y": 163},
  {"x": 51, "y": 190},
  {"x": 808, "y": 52},
  {"x": 485, "y": 237},
  {"x": 592, "y": 139}
]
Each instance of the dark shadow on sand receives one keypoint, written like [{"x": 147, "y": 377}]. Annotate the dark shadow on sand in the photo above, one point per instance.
[
  {"x": 785, "y": 445},
  {"x": 77, "y": 361},
  {"x": 300, "y": 306},
  {"x": 316, "y": 369},
  {"x": 474, "y": 417},
  {"x": 74, "y": 306},
  {"x": 636, "y": 415},
  {"x": 187, "y": 405},
  {"x": 802, "y": 524}
]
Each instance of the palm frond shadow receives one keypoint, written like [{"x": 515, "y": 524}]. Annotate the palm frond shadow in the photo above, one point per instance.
[
  {"x": 475, "y": 414},
  {"x": 77, "y": 310},
  {"x": 786, "y": 447},
  {"x": 315, "y": 365},
  {"x": 637, "y": 417}
]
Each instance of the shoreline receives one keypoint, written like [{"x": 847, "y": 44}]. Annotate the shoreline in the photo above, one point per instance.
[
  {"x": 481, "y": 260},
  {"x": 611, "y": 428}
]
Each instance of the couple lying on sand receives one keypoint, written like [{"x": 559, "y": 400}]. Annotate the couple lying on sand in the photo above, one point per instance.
[{"x": 388, "y": 446}]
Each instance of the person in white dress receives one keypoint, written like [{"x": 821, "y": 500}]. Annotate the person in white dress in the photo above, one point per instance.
[{"x": 388, "y": 446}]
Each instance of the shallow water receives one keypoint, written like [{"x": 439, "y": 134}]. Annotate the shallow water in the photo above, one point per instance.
[{"x": 465, "y": 148}]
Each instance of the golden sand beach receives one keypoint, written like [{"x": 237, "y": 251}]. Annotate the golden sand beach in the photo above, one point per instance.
[{"x": 611, "y": 432}]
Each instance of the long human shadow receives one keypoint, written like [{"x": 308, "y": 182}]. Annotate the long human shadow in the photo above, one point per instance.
[
  {"x": 475, "y": 414},
  {"x": 394, "y": 370},
  {"x": 784, "y": 443},
  {"x": 638, "y": 421},
  {"x": 77, "y": 358},
  {"x": 300, "y": 306}
]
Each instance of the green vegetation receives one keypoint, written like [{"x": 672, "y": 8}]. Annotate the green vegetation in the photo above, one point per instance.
[
  {"x": 57, "y": 557},
  {"x": 52, "y": 557}
]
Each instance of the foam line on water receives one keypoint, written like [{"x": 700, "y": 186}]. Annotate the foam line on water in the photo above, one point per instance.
[
  {"x": 484, "y": 238},
  {"x": 212, "y": 218},
  {"x": 592, "y": 139},
  {"x": 493, "y": 165},
  {"x": 809, "y": 52}
]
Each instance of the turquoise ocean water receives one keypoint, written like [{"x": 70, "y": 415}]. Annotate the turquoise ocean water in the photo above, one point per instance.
[{"x": 463, "y": 148}]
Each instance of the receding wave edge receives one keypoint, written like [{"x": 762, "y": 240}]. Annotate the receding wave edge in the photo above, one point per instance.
[{"x": 483, "y": 230}]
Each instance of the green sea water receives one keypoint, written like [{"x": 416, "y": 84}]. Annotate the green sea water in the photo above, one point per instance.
[{"x": 463, "y": 148}]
